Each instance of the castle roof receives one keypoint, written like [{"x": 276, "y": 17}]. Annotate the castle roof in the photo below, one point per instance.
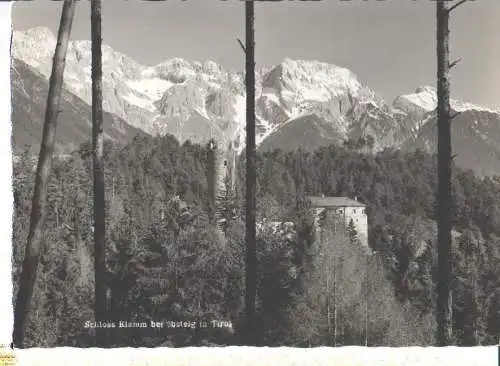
[{"x": 319, "y": 201}]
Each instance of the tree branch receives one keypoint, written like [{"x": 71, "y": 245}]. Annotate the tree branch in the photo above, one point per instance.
[
  {"x": 456, "y": 114},
  {"x": 454, "y": 6},
  {"x": 454, "y": 156},
  {"x": 242, "y": 46},
  {"x": 11, "y": 36},
  {"x": 454, "y": 63},
  {"x": 67, "y": 226}
]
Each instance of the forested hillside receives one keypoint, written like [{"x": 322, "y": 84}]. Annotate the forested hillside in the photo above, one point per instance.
[{"x": 166, "y": 261}]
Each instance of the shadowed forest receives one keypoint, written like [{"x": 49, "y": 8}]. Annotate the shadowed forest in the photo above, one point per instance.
[{"x": 166, "y": 261}]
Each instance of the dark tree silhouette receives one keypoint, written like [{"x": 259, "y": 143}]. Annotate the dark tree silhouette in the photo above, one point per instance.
[
  {"x": 44, "y": 169},
  {"x": 251, "y": 175},
  {"x": 98, "y": 169},
  {"x": 444, "y": 198}
]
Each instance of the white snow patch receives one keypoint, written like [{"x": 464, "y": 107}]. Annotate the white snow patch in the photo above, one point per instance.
[
  {"x": 241, "y": 108},
  {"x": 74, "y": 82},
  {"x": 87, "y": 70},
  {"x": 463, "y": 106},
  {"x": 303, "y": 81},
  {"x": 372, "y": 103},
  {"x": 426, "y": 98},
  {"x": 271, "y": 96},
  {"x": 320, "y": 94},
  {"x": 153, "y": 88},
  {"x": 425, "y": 101},
  {"x": 240, "y": 117},
  {"x": 138, "y": 101},
  {"x": 202, "y": 112}
]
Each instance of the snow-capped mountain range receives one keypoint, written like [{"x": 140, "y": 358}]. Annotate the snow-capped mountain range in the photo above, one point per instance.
[{"x": 199, "y": 100}]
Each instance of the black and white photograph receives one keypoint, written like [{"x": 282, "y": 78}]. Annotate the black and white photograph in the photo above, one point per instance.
[{"x": 255, "y": 173}]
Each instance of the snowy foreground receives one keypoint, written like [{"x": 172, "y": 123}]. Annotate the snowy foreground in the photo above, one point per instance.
[{"x": 249, "y": 356}]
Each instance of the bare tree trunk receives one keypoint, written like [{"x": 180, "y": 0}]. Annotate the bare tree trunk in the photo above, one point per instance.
[
  {"x": 327, "y": 255},
  {"x": 334, "y": 304},
  {"x": 251, "y": 255},
  {"x": 44, "y": 168},
  {"x": 335, "y": 296},
  {"x": 444, "y": 198},
  {"x": 444, "y": 179},
  {"x": 366, "y": 303},
  {"x": 98, "y": 168},
  {"x": 328, "y": 311}
]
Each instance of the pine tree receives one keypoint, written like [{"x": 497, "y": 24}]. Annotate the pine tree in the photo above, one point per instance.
[
  {"x": 352, "y": 232},
  {"x": 227, "y": 206}
]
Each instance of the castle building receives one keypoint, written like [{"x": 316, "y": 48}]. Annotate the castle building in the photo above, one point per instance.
[{"x": 345, "y": 210}]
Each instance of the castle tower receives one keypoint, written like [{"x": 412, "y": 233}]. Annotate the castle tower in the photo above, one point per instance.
[
  {"x": 218, "y": 169},
  {"x": 231, "y": 165},
  {"x": 220, "y": 178}
]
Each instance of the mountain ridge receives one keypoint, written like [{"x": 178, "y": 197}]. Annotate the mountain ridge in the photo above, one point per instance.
[
  {"x": 74, "y": 125},
  {"x": 202, "y": 100}
]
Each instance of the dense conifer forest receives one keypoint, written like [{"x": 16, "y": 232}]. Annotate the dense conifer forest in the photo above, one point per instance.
[{"x": 168, "y": 262}]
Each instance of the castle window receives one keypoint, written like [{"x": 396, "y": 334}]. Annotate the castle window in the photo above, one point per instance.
[{"x": 225, "y": 162}]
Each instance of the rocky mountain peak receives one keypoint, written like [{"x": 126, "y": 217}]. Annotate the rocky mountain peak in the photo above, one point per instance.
[{"x": 200, "y": 100}]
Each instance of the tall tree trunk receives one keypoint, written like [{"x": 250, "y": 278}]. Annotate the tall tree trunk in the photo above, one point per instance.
[
  {"x": 335, "y": 299},
  {"x": 327, "y": 254},
  {"x": 366, "y": 297},
  {"x": 444, "y": 214},
  {"x": 98, "y": 168},
  {"x": 251, "y": 255},
  {"x": 44, "y": 168}
]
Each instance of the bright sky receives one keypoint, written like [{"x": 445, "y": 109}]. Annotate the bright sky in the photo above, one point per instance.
[{"x": 389, "y": 44}]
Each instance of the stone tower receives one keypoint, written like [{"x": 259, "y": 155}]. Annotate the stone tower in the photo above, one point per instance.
[{"x": 220, "y": 174}]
